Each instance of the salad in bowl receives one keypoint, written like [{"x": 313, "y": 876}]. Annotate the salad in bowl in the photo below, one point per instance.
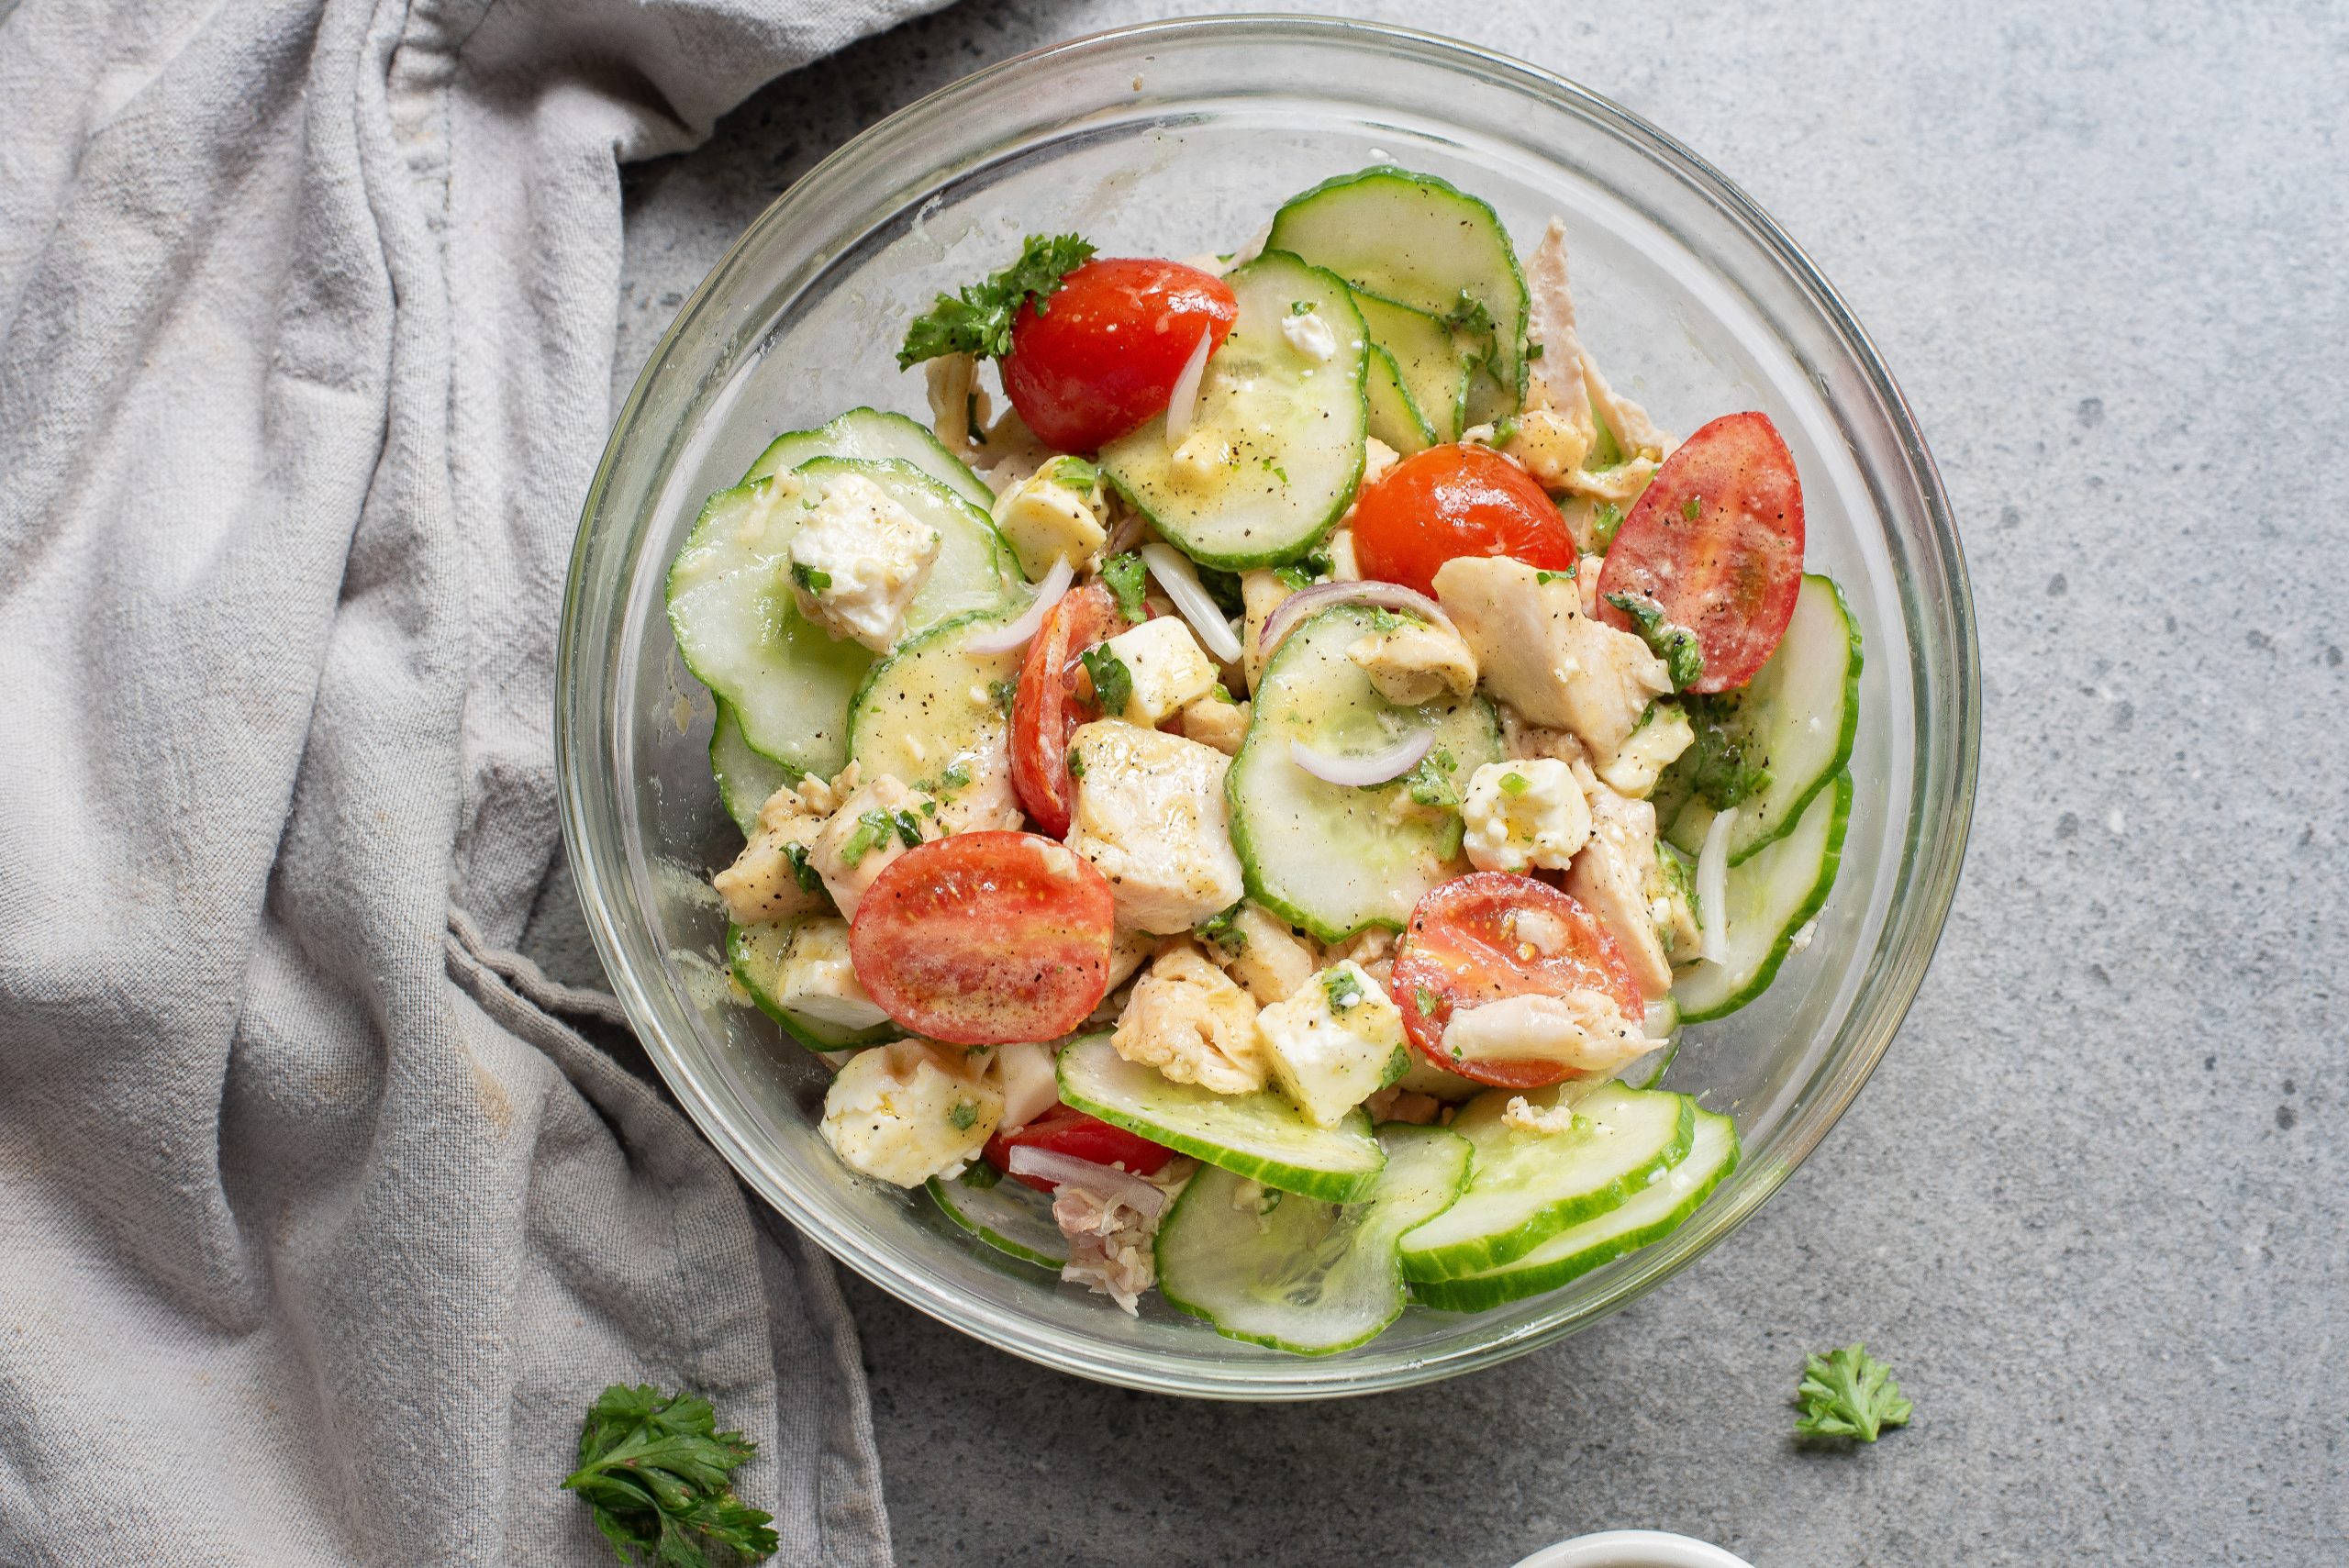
[{"x": 1247, "y": 795}]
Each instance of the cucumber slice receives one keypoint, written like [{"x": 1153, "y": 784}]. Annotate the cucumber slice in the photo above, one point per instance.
[
  {"x": 1328, "y": 857},
  {"x": 931, "y": 706},
  {"x": 1770, "y": 897},
  {"x": 731, "y": 605},
  {"x": 1260, "y": 1136},
  {"x": 1429, "y": 362},
  {"x": 745, "y": 779},
  {"x": 1649, "y": 1216},
  {"x": 1419, "y": 241},
  {"x": 1795, "y": 717},
  {"x": 1011, "y": 1217},
  {"x": 1305, "y": 1276},
  {"x": 754, "y": 953},
  {"x": 1289, "y": 428},
  {"x": 1529, "y": 1187},
  {"x": 1394, "y": 418},
  {"x": 868, "y": 435}
]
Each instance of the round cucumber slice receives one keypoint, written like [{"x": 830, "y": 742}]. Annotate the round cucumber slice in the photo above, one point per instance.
[
  {"x": 932, "y": 714},
  {"x": 745, "y": 779},
  {"x": 1332, "y": 858},
  {"x": 1429, "y": 363},
  {"x": 1422, "y": 242},
  {"x": 1797, "y": 717},
  {"x": 1011, "y": 1217},
  {"x": 1275, "y": 449},
  {"x": 1394, "y": 418},
  {"x": 754, "y": 953},
  {"x": 1529, "y": 1187},
  {"x": 1651, "y": 1215},
  {"x": 1770, "y": 898},
  {"x": 869, "y": 435},
  {"x": 1260, "y": 1136},
  {"x": 1303, "y": 1275},
  {"x": 731, "y": 606}
]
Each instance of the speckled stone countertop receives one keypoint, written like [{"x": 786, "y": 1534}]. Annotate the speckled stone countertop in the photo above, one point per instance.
[{"x": 2092, "y": 1206}]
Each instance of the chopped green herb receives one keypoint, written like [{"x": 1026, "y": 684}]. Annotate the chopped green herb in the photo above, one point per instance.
[
  {"x": 1427, "y": 1002},
  {"x": 1505, "y": 429},
  {"x": 1693, "y": 508},
  {"x": 1470, "y": 316},
  {"x": 872, "y": 830},
  {"x": 1668, "y": 640},
  {"x": 1293, "y": 578},
  {"x": 979, "y": 1175},
  {"x": 954, "y": 775},
  {"x": 978, "y": 320},
  {"x": 1301, "y": 307},
  {"x": 1002, "y": 692},
  {"x": 1223, "y": 930},
  {"x": 1429, "y": 784},
  {"x": 655, "y": 1471},
  {"x": 1716, "y": 763},
  {"x": 1223, "y": 587},
  {"x": 1546, "y": 577},
  {"x": 796, "y": 855},
  {"x": 1610, "y": 517},
  {"x": 1276, "y": 470},
  {"x": 1113, "y": 684},
  {"x": 811, "y": 579},
  {"x": 1849, "y": 1394},
  {"x": 1383, "y": 619},
  {"x": 1515, "y": 783},
  {"x": 1532, "y": 350},
  {"x": 964, "y": 1116},
  {"x": 1343, "y": 989},
  {"x": 1076, "y": 766},
  {"x": 1072, "y": 473},
  {"x": 1126, "y": 576}
]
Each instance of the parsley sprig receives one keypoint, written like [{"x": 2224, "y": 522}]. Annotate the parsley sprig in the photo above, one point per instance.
[
  {"x": 978, "y": 319},
  {"x": 1849, "y": 1394},
  {"x": 654, "y": 1469},
  {"x": 1683, "y": 660}
]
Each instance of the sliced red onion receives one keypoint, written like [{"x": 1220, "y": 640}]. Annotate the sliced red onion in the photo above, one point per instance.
[
  {"x": 1182, "y": 404},
  {"x": 1293, "y": 610},
  {"x": 1712, "y": 885},
  {"x": 1106, "y": 1180},
  {"x": 1367, "y": 768},
  {"x": 1019, "y": 632},
  {"x": 1181, "y": 580}
]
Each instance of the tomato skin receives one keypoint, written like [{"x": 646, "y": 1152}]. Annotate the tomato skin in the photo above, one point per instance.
[
  {"x": 1046, "y": 707},
  {"x": 1452, "y": 501},
  {"x": 1106, "y": 350},
  {"x": 1065, "y": 1129},
  {"x": 1730, "y": 573},
  {"x": 1458, "y": 950},
  {"x": 982, "y": 938}
]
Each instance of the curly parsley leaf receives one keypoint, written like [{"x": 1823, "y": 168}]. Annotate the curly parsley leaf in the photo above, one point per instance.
[
  {"x": 1668, "y": 640},
  {"x": 1223, "y": 930},
  {"x": 1113, "y": 684},
  {"x": 1605, "y": 522},
  {"x": 654, "y": 1470},
  {"x": 1849, "y": 1394},
  {"x": 978, "y": 320},
  {"x": 1126, "y": 576}
]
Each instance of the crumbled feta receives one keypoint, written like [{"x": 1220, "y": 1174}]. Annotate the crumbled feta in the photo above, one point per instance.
[
  {"x": 1169, "y": 669},
  {"x": 1025, "y": 1075},
  {"x": 1520, "y": 814},
  {"x": 815, "y": 977},
  {"x": 1334, "y": 1043},
  {"x": 1149, "y": 814},
  {"x": 907, "y": 1112},
  {"x": 857, "y": 562},
  {"x": 1309, "y": 334}
]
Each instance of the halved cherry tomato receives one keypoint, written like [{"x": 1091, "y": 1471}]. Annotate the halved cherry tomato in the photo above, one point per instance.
[
  {"x": 1717, "y": 540},
  {"x": 1469, "y": 943},
  {"x": 1046, "y": 709},
  {"x": 1453, "y": 501},
  {"x": 985, "y": 937},
  {"x": 1065, "y": 1129},
  {"x": 1103, "y": 352}
]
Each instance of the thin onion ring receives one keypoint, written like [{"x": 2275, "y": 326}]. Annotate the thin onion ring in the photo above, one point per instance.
[
  {"x": 1366, "y": 769},
  {"x": 1019, "y": 633},
  {"x": 1293, "y": 611},
  {"x": 1181, "y": 580},
  {"x": 1712, "y": 885},
  {"x": 1183, "y": 403},
  {"x": 1056, "y": 1167}
]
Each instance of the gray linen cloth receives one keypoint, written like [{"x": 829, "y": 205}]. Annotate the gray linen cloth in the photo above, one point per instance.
[{"x": 318, "y": 1230}]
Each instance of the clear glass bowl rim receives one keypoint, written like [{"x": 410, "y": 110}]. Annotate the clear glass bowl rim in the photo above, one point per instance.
[{"x": 1947, "y": 746}]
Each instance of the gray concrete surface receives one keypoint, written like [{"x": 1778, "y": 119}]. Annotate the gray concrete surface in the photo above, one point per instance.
[{"x": 2094, "y": 1207}]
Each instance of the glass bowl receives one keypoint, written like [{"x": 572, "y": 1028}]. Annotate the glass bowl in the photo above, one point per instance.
[{"x": 1174, "y": 140}]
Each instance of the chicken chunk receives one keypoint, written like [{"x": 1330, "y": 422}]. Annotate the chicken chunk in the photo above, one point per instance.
[
  {"x": 1575, "y": 434},
  {"x": 1663, "y": 733},
  {"x": 1188, "y": 1019},
  {"x": 1149, "y": 814},
  {"x": 770, "y": 879},
  {"x": 1052, "y": 516},
  {"x": 1264, "y": 954},
  {"x": 1413, "y": 661},
  {"x": 1109, "y": 1242},
  {"x": 907, "y": 1112},
  {"x": 1522, "y": 741},
  {"x": 875, "y": 824},
  {"x": 1617, "y": 878},
  {"x": 1583, "y": 1030},
  {"x": 1216, "y": 720},
  {"x": 1545, "y": 658}
]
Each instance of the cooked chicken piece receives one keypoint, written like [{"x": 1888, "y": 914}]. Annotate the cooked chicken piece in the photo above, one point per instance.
[
  {"x": 769, "y": 880},
  {"x": 1617, "y": 878},
  {"x": 1109, "y": 1243},
  {"x": 1520, "y": 739},
  {"x": 876, "y": 823},
  {"x": 1558, "y": 430},
  {"x": 1583, "y": 1030},
  {"x": 1216, "y": 720},
  {"x": 1188, "y": 1019},
  {"x": 907, "y": 1112},
  {"x": 1544, "y": 656},
  {"x": 1414, "y": 661},
  {"x": 1662, "y": 734},
  {"x": 1264, "y": 954}
]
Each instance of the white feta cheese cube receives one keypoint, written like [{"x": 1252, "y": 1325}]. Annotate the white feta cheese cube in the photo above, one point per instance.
[
  {"x": 858, "y": 559},
  {"x": 907, "y": 1112},
  {"x": 1049, "y": 515},
  {"x": 770, "y": 879},
  {"x": 878, "y": 822},
  {"x": 1335, "y": 1043},
  {"x": 1524, "y": 814},
  {"x": 1167, "y": 667},
  {"x": 1027, "y": 1076},
  {"x": 1149, "y": 815},
  {"x": 817, "y": 980}
]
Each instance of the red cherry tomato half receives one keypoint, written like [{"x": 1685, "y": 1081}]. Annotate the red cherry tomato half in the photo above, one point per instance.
[
  {"x": 1468, "y": 944},
  {"x": 1046, "y": 709},
  {"x": 1065, "y": 1129},
  {"x": 1103, "y": 351},
  {"x": 1717, "y": 540},
  {"x": 985, "y": 937},
  {"x": 1453, "y": 501}
]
